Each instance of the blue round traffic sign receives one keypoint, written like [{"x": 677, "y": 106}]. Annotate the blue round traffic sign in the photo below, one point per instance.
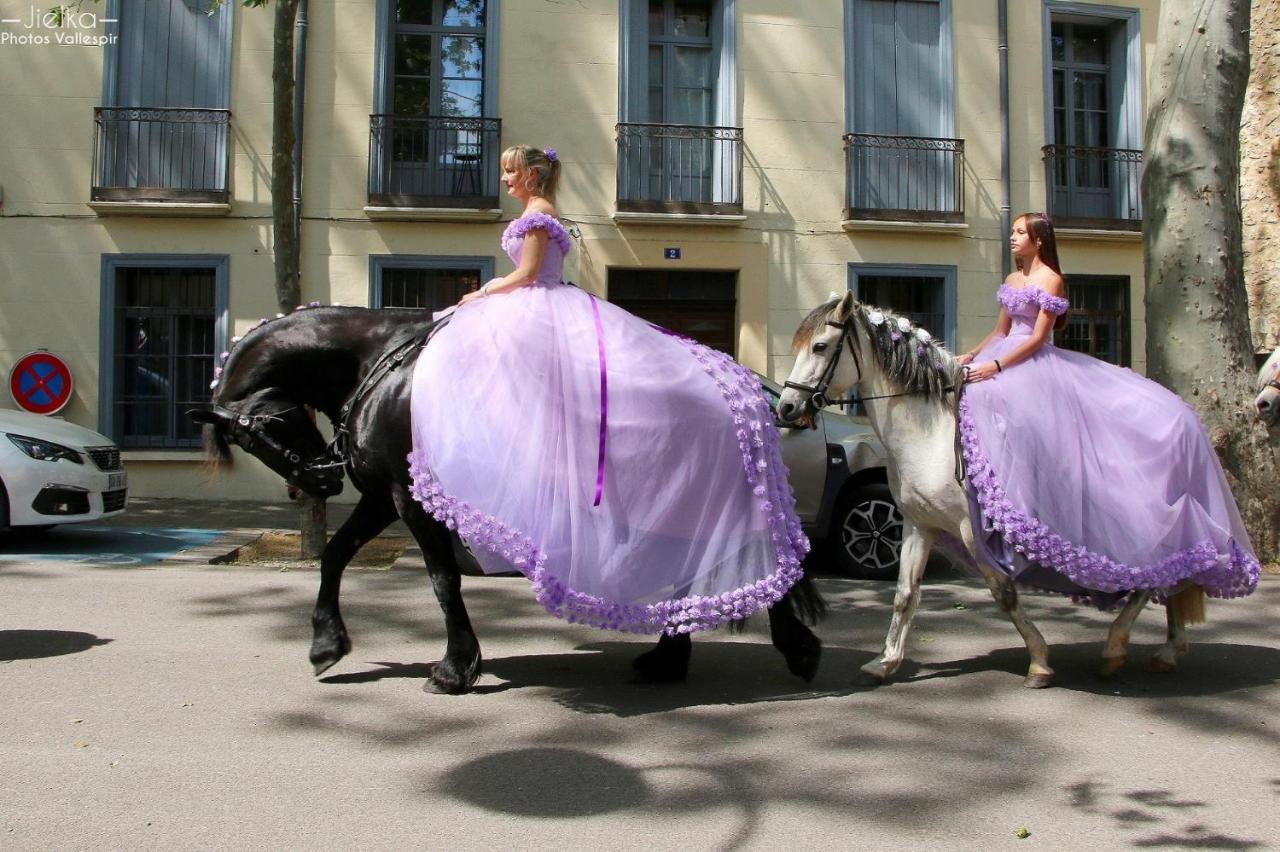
[{"x": 40, "y": 382}]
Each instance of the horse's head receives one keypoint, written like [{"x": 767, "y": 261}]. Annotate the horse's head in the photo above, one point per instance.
[
  {"x": 1267, "y": 403},
  {"x": 280, "y": 433},
  {"x": 820, "y": 374}
]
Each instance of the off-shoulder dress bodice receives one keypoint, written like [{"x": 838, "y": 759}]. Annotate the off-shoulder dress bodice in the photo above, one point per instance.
[
  {"x": 552, "y": 269},
  {"x": 1024, "y": 304}
]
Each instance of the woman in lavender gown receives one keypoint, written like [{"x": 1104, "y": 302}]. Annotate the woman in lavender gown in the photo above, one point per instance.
[
  {"x": 1084, "y": 477},
  {"x": 632, "y": 475}
]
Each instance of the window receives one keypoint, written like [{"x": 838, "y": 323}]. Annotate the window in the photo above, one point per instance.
[
  {"x": 1093, "y": 123},
  {"x": 698, "y": 304},
  {"x": 429, "y": 283},
  {"x": 1098, "y": 320},
  {"x": 926, "y": 295},
  {"x": 164, "y": 324},
  {"x": 900, "y": 110},
  {"x": 678, "y": 148},
  {"x": 162, "y": 131},
  {"x": 433, "y": 141},
  {"x": 438, "y": 58}
]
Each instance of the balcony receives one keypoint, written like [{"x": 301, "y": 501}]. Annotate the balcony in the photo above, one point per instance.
[
  {"x": 903, "y": 179},
  {"x": 433, "y": 163},
  {"x": 1094, "y": 188},
  {"x": 678, "y": 170},
  {"x": 160, "y": 156}
]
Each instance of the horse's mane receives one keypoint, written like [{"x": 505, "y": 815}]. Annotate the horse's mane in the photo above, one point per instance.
[{"x": 916, "y": 365}]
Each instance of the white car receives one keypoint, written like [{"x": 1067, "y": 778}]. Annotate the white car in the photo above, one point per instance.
[{"x": 54, "y": 472}]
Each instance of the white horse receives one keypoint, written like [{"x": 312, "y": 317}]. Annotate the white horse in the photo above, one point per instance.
[
  {"x": 1267, "y": 403},
  {"x": 905, "y": 382}
]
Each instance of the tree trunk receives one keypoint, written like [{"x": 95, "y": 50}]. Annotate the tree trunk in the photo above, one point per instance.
[
  {"x": 285, "y": 240},
  {"x": 285, "y": 237},
  {"x": 1260, "y": 176},
  {"x": 1198, "y": 341}
]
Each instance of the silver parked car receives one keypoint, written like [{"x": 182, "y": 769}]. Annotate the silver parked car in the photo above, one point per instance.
[{"x": 837, "y": 471}]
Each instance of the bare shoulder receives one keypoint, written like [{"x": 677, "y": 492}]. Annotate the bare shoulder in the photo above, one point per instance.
[
  {"x": 1014, "y": 278},
  {"x": 1051, "y": 282},
  {"x": 542, "y": 205}
]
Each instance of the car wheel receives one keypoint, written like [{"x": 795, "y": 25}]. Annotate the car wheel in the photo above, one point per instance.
[
  {"x": 4, "y": 507},
  {"x": 866, "y": 533}
]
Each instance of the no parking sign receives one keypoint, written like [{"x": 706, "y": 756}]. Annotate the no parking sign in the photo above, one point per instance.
[{"x": 40, "y": 382}]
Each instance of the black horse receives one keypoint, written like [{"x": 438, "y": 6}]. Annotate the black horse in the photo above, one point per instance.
[{"x": 354, "y": 365}]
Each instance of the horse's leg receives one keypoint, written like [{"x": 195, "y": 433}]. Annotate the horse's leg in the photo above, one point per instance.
[
  {"x": 1039, "y": 675},
  {"x": 1166, "y": 659},
  {"x": 329, "y": 639},
  {"x": 915, "y": 555},
  {"x": 798, "y": 644},
  {"x": 1116, "y": 651},
  {"x": 458, "y": 670},
  {"x": 666, "y": 663}
]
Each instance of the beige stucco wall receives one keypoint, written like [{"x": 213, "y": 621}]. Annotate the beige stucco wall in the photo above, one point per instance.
[{"x": 558, "y": 85}]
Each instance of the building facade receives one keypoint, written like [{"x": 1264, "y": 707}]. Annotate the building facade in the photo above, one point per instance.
[{"x": 727, "y": 165}]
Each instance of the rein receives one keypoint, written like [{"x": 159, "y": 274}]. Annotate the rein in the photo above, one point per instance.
[
  {"x": 339, "y": 448},
  {"x": 818, "y": 391}
]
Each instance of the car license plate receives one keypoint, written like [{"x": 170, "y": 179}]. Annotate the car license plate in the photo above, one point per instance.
[{"x": 116, "y": 480}]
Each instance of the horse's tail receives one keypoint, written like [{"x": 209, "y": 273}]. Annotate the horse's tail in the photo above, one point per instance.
[
  {"x": 1188, "y": 605},
  {"x": 807, "y": 601}
]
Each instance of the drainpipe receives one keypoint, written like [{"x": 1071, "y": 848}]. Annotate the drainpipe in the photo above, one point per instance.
[
  {"x": 1006, "y": 213},
  {"x": 299, "y": 92}
]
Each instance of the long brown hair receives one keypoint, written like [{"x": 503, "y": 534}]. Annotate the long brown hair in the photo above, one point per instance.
[{"x": 1040, "y": 229}]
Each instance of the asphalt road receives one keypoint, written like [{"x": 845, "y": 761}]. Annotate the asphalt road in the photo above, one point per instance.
[{"x": 148, "y": 705}]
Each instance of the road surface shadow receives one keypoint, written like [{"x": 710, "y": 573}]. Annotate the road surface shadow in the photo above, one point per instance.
[
  {"x": 597, "y": 677},
  {"x": 1211, "y": 668},
  {"x": 37, "y": 644}
]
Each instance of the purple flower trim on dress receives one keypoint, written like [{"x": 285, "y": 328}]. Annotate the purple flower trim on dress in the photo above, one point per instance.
[
  {"x": 1017, "y": 298},
  {"x": 1222, "y": 576},
  {"x": 765, "y": 474},
  {"x": 531, "y": 222}
]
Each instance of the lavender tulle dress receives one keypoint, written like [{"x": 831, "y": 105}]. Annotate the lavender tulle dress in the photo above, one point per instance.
[
  {"x": 632, "y": 475},
  {"x": 1088, "y": 479}
]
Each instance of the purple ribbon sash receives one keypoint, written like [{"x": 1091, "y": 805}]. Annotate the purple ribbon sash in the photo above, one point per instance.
[{"x": 604, "y": 400}]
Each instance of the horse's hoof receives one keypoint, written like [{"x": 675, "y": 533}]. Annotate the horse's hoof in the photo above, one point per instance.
[
  {"x": 444, "y": 681},
  {"x": 1111, "y": 665},
  {"x": 666, "y": 663},
  {"x": 1160, "y": 666},
  {"x": 867, "y": 677},
  {"x": 1039, "y": 680},
  {"x": 323, "y": 666},
  {"x": 326, "y": 655},
  {"x": 803, "y": 662}
]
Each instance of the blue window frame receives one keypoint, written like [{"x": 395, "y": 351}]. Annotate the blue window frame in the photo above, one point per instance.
[{"x": 163, "y": 323}]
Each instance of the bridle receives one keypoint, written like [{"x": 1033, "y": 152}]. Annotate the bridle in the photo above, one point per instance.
[
  {"x": 818, "y": 391},
  {"x": 818, "y": 397},
  {"x": 249, "y": 431}
]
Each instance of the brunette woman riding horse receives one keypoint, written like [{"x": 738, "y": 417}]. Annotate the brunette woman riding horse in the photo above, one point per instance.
[{"x": 354, "y": 366}]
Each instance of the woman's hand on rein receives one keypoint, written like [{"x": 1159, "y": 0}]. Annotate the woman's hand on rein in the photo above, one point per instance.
[{"x": 981, "y": 372}]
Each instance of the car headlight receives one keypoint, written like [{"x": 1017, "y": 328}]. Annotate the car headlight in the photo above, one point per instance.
[{"x": 44, "y": 450}]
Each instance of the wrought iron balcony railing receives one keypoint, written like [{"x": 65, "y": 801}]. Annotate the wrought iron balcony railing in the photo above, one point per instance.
[
  {"x": 911, "y": 178},
  {"x": 679, "y": 168},
  {"x": 1094, "y": 187},
  {"x": 160, "y": 154},
  {"x": 434, "y": 161}
]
